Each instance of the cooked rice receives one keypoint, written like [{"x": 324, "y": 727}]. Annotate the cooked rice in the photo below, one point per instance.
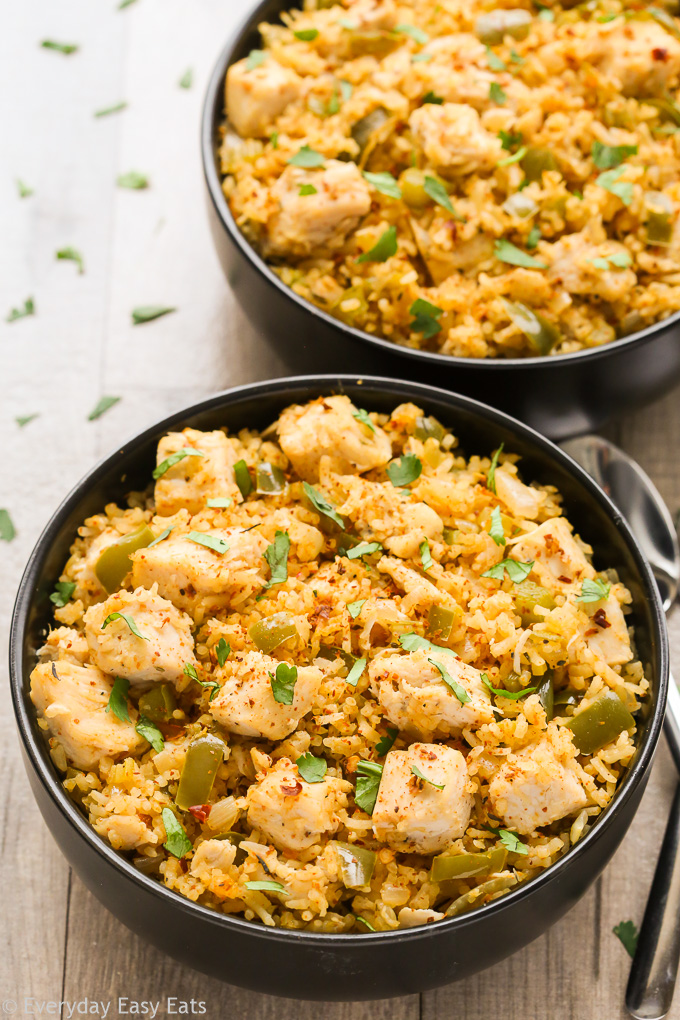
[
  {"x": 599, "y": 228},
  {"x": 445, "y": 512}
]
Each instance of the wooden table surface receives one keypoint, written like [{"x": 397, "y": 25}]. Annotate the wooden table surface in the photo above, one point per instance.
[{"x": 153, "y": 247}]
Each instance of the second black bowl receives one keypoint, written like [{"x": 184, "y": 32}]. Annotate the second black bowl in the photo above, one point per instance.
[
  {"x": 304, "y": 964},
  {"x": 559, "y": 396}
]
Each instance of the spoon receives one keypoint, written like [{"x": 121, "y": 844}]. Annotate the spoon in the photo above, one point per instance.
[{"x": 655, "y": 965}]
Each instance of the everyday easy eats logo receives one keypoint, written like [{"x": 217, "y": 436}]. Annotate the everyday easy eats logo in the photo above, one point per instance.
[{"x": 120, "y": 1007}]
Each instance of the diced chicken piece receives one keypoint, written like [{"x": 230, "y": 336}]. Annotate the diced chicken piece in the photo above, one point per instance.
[
  {"x": 213, "y": 853},
  {"x": 188, "y": 573},
  {"x": 301, "y": 224},
  {"x": 193, "y": 480},
  {"x": 292, "y": 813},
  {"x": 255, "y": 97},
  {"x": 419, "y": 522},
  {"x": 453, "y": 139},
  {"x": 520, "y": 499},
  {"x": 382, "y": 513},
  {"x": 410, "y": 918},
  {"x": 124, "y": 832},
  {"x": 328, "y": 428},
  {"x": 415, "y": 697},
  {"x": 606, "y": 633},
  {"x": 66, "y": 644},
  {"x": 576, "y": 265},
  {"x": 534, "y": 788},
  {"x": 167, "y": 645},
  {"x": 413, "y": 814},
  {"x": 640, "y": 55},
  {"x": 306, "y": 540},
  {"x": 372, "y": 15},
  {"x": 246, "y": 703},
  {"x": 559, "y": 560},
  {"x": 73, "y": 700}
]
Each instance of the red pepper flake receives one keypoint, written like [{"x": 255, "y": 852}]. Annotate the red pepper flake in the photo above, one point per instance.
[
  {"x": 200, "y": 811},
  {"x": 660, "y": 53},
  {"x": 291, "y": 789},
  {"x": 600, "y": 618},
  {"x": 564, "y": 580}
]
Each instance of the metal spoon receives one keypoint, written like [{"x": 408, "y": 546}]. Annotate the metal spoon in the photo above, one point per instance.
[{"x": 655, "y": 965}]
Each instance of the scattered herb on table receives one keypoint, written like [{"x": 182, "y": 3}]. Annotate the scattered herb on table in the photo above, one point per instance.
[
  {"x": 66, "y": 48},
  {"x": 24, "y": 419},
  {"x": 134, "y": 180},
  {"x": 7, "y": 529},
  {"x": 104, "y": 404},
  {"x": 627, "y": 934},
  {"x": 71, "y": 255},
  {"x": 23, "y": 189},
  {"x": 116, "y": 108},
  {"x": 147, "y": 313},
  {"x": 21, "y": 313},
  {"x": 187, "y": 79}
]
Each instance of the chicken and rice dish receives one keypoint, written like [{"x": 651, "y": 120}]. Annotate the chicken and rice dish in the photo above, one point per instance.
[
  {"x": 472, "y": 178},
  {"x": 336, "y": 676}
]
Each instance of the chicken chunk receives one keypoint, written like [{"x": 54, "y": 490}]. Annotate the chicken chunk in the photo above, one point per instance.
[
  {"x": 194, "y": 479},
  {"x": 246, "y": 703},
  {"x": 292, "y": 813},
  {"x": 188, "y": 573},
  {"x": 372, "y": 15},
  {"x": 578, "y": 265},
  {"x": 66, "y": 644},
  {"x": 606, "y": 632},
  {"x": 415, "y": 697},
  {"x": 213, "y": 853},
  {"x": 413, "y": 814},
  {"x": 559, "y": 560},
  {"x": 534, "y": 788},
  {"x": 161, "y": 654},
  {"x": 453, "y": 139},
  {"x": 124, "y": 832},
  {"x": 381, "y": 512},
  {"x": 520, "y": 499},
  {"x": 640, "y": 55},
  {"x": 256, "y": 96},
  {"x": 301, "y": 224},
  {"x": 328, "y": 427},
  {"x": 73, "y": 700}
]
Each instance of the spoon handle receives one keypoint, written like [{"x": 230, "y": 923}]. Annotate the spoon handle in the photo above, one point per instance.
[
  {"x": 655, "y": 966},
  {"x": 671, "y": 722}
]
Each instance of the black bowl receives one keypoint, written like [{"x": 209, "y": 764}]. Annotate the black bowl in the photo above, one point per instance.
[
  {"x": 559, "y": 396},
  {"x": 298, "y": 963}
]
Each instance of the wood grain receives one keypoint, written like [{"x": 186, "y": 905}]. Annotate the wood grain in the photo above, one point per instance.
[{"x": 153, "y": 247}]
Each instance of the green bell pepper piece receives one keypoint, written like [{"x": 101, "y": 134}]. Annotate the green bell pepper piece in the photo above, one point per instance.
[
  {"x": 159, "y": 703},
  {"x": 357, "y": 865},
  {"x": 114, "y": 563},
  {"x": 600, "y": 723},
  {"x": 271, "y": 632},
  {"x": 203, "y": 758}
]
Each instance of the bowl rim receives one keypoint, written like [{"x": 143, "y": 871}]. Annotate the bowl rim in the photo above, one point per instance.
[
  {"x": 37, "y": 756},
  {"x": 214, "y": 184}
]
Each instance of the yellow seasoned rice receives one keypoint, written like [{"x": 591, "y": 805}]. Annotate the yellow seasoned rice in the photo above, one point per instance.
[
  {"x": 528, "y": 180},
  {"x": 402, "y": 586}
]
